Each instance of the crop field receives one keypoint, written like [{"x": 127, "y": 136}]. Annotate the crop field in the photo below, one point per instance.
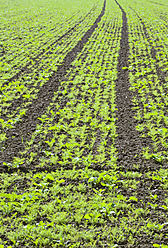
[{"x": 84, "y": 123}]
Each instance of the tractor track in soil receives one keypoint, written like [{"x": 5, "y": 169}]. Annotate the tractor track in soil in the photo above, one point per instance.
[
  {"x": 27, "y": 126},
  {"x": 53, "y": 168},
  {"x": 129, "y": 143},
  {"x": 35, "y": 59}
]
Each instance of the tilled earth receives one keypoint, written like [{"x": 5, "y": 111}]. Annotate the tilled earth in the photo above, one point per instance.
[{"x": 128, "y": 142}]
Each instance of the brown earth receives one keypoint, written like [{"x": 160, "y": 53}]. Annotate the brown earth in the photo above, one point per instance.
[{"x": 129, "y": 144}]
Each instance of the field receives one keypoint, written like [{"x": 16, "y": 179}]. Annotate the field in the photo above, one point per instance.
[{"x": 84, "y": 123}]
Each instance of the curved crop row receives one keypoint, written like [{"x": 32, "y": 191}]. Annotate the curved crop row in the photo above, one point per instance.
[
  {"x": 86, "y": 164},
  {"x": 26, "y": 88},
  {"x": 27, "y": 34},
  {"x": 76, "y": 135},
  {"x": 82, "y": 110},
  {"x": 148, "y": 86}
]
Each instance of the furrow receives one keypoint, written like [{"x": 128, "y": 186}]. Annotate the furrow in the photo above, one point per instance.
[
  {"x": 128, "y": 142},
  {"x": 20, "y": 101},
  {"x": 129, "y": 145},
  {"x": 17, "y": 136},
  {"x": 35, "y": 59}
]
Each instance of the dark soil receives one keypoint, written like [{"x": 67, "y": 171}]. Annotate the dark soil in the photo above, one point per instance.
[
  {"x": 28, "y": 69},
  {"x": 129, "y": 144},
  {"x": 24, "y": 129},
  {"x": 35, "y": 59}
]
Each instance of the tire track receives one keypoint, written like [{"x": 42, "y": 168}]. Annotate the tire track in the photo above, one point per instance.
[
  {"x": 129, "y": 145},
  {"x": 23, "y": 130},
  {"x": 128, "y": 142},
  {"x": 35, "y": 59}
]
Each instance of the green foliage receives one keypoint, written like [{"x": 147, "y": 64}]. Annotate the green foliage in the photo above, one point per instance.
[{"x": 86, "y": 201}]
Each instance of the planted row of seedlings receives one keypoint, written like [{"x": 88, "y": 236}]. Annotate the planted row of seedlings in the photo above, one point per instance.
[
  {"x": 148, "y": 82},
  {"x": 75, "y": 138},
  {"x": 73, "y": 192},
  {"x": 25, "y": 38},
  {"x": 39, "y": 71},
  {"x": 18, "y": 94}
]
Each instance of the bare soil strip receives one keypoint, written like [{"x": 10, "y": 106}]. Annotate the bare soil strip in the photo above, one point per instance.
[
  {"x": 17, "y": 137},
  {"x": 128, "y": 142},
  {"x": 25, "y": 68}
]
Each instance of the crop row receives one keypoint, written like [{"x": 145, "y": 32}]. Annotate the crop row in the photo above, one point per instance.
[
  {"x": 18, "y": 94},
  {"x": 78, "y": 190},
  {"x": 24, "y": 38},
  {"x": 77, "y": 108},
  {"x": 148, "y": 79},
  {"x": 148, "y": 82}
]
